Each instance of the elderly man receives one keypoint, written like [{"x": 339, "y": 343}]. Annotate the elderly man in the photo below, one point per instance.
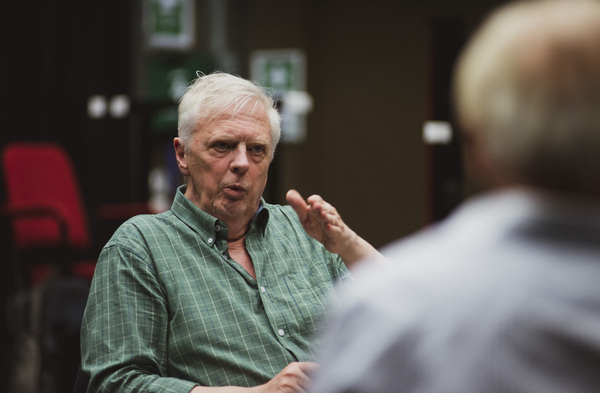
[
  {"x": 224, "y": 290},
  {"x": 504, "y": 295}
]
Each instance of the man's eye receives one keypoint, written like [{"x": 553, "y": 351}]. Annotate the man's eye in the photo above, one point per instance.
[
  {"x": 259, "y": 149},
  {"x": 221, "y": 146}
]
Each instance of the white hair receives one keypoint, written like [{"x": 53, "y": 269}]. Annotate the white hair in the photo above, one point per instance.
[
  {"x": 527, "y": 87},
  {"x": 208, "y": 96}
]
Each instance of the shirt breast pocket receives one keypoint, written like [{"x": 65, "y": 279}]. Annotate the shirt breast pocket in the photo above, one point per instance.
[{"x": 308, "y": 297}]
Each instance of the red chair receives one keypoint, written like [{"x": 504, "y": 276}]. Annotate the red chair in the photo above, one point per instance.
[{"x": 46, "y": 211}]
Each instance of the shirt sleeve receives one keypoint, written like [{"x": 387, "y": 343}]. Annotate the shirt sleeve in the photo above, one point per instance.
[
  {"x": 124, "y": 327},
  {"x": 340, "y": 270}
]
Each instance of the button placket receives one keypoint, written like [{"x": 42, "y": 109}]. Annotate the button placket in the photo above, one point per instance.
[{"x": 280, "y": 331}]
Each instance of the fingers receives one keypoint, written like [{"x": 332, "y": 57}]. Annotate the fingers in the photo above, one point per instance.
[
  {"x": 322, "y": 221},
  {"x": 314, "y": 209},
  {"x": 323, "y": 211},
  {"x": 314, "y": 206},
  {"x": 298, "y": 376},
  {"x": 314, "y": 202},
  {"x": 294, "y": 378}
]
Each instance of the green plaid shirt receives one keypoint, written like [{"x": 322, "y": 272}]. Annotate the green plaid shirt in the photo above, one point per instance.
[{"x": 169, "y": 309}]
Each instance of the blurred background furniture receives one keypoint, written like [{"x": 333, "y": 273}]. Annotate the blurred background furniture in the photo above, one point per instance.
[
  {"x": 50, "y": 245},
  {"x": 47, "y": 219}
]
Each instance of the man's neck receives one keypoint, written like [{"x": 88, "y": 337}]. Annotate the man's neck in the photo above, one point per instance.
[
  {"x": 239, "y": 226},
  {"x": 238, "y": 252},
  {"x": 238, "y": 235}
]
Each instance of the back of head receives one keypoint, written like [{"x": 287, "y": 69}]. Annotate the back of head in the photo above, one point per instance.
[
  {"x": 527, "y": 91},
  {"x": 211, "y": 95}
]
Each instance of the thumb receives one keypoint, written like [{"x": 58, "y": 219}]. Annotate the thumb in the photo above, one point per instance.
[{"x": 296, "y": 201}]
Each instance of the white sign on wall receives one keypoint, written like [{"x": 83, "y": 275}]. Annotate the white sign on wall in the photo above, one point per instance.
[{"x": 284, "y": 72}]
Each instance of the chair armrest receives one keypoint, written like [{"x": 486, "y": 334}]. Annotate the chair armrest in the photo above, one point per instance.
[{"x": 38, "y": 211}]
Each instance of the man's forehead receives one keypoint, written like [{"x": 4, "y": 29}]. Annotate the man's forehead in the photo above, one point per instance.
[
  {"x": 246, "y": 121},
  {"x": 253, "y": 110}
]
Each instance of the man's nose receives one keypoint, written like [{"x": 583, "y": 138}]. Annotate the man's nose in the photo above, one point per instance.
[{"x": 239, "y": 160}]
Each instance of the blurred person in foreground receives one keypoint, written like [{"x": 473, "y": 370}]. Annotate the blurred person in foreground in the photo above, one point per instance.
[
  {"x": 503, "y": 296},
  {"x": 223, "y": 290}
]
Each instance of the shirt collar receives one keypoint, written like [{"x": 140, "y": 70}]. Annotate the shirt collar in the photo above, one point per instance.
[{"x": 209, "y": 226}]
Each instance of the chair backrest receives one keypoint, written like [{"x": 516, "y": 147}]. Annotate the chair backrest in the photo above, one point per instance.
[{"x": 40, "y": 178}]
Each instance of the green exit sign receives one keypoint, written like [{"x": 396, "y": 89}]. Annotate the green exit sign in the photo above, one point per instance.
[
  {"x": 280, "y": 70},
  {"x": 169, "y": 24}
]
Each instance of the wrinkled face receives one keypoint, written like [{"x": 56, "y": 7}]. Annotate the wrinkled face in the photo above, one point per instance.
[{"x": 227, "y": 163}]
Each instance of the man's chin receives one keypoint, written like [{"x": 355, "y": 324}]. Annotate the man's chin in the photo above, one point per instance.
[{"x": 234, "y": 208}]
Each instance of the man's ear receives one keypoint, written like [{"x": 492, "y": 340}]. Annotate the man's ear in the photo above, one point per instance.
[{"x": 180, "y": 156}]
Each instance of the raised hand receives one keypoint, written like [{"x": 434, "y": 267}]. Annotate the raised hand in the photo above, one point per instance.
[{"x": 322, "y": 222}]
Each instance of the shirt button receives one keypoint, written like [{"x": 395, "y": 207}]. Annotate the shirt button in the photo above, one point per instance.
[
  {"x": 217, "y": 228},
  {"x": 210, "y": 240},
  {"x": 281, "y": 332},
  {"x": 263, "y": 289}
]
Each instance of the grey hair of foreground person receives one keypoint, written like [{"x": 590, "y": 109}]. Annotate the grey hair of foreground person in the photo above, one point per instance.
[
  {"x": 527, "y": 90},
  {"x": 209, "y": 96}
]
